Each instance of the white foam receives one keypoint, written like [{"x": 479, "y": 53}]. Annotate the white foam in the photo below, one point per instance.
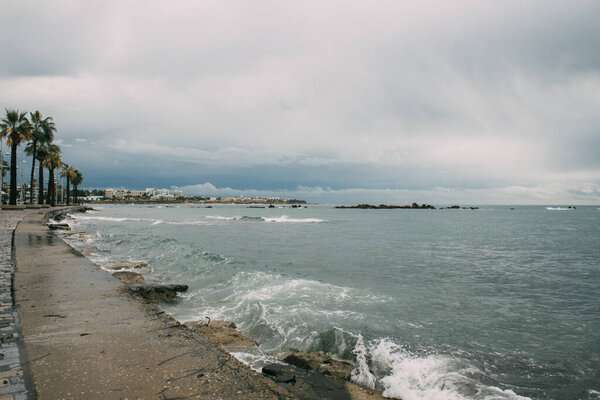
[
  {"x": 221, "y": 218},
  {"x": 255, "y": 361},
  {"x": 559, "y": 208},
  {"x": 436, "y": 377},
  {"x": 282, "y": 219},
  {"x": 361, "y": 375},
  {"x": 113, "y": 219},
  {"x": 191, "y": 222},
  {"x": 285, "y": 218},
  {"x": 157, "y": 222}
]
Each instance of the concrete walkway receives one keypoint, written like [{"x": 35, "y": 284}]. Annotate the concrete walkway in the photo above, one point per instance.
[
  {"x": 85, "y": 339},
  {"x": 12, "y": 379}
]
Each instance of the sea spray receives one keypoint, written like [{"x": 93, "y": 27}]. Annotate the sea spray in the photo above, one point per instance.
[{"x": 362, "y": 375}]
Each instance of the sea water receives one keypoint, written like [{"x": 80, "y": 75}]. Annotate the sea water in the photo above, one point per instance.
[{"x": 495, "y": 303}]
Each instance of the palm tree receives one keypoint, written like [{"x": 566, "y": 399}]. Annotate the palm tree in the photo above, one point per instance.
[
  {"x": 76, "y": 181},
  {"x": 51, "y": 162},
  {"x": 68, "y": 172},
  {"x": 42, "y": 130},
  {"x": 15, "y": 128}
]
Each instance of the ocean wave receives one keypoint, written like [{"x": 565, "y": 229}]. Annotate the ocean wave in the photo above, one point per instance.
[
  {"x": 191, "y": 222},
  {"x": 419, "y": 377},
  {"x": 282, "y": 219},
  {"x": 560, "y": 208},
  {"x": 112, "y": 219}
]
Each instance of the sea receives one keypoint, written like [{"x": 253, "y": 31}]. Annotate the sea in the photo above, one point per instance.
[{"x": 500, "y": 302}]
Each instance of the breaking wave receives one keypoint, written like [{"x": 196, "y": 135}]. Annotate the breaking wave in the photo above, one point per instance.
[{"x": 282, "y": 219}]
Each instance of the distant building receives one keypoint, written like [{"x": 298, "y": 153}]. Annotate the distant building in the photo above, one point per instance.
[{"x": 114, "y": 194}]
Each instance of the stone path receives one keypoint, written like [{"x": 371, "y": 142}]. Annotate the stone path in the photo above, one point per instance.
[{"x": 12, "y": 382}]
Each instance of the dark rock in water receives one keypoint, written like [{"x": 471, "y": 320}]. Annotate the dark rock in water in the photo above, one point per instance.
[
  {"x": 129, "y": 277},
  {"x": 156, "y": 293},
  {"x": 320, "y": 363},
  {"x": 54, "y": 227},
  {"x": 271, "y": 206},
  {"x": 390, "y": 207},
  {"x": 305, "y": 384}
]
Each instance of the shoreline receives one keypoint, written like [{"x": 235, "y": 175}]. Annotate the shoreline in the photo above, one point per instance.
[
  {"x": 275, "y": 387},
  {"x": 86, "y": 339}
]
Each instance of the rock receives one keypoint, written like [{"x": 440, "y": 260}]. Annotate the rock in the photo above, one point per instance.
[
  {"x": 360, "y": 393},
  {"x": 320, "y": 363},
  {"x": 389, "y": 207},
  {"x": 54, "y": 227},
  {"x": 154, "y": 293},
  {"x": 129, "y": 277},
  {"x": 223, "y": 334},
  {"x": 128, "y": 265},
  {"x": 305, "y": 384}
]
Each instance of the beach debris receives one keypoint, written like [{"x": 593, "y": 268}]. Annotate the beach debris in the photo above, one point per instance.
[
  {"x": 128, "y": 265},
  {"x": 155, "y": 293},
  {"x": 129, "y": 277}
]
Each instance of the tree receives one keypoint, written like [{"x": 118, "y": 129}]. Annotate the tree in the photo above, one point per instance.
[
  {"x": 51, "y": 162},
  {"x": 15, "y": 128},
  {"x": 42, "y": 132},
  {"x": 69, "y": 173},
  {"x": 76, "y": 181}
]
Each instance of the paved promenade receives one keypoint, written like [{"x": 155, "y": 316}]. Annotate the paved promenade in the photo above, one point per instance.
[{"x": 12, "y": 381}]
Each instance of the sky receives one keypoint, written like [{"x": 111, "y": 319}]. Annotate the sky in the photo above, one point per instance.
[{"x": 469, "y": 102}]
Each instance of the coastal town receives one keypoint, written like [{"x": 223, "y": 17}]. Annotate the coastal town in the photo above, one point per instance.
[{"x": 167, "y": 195}]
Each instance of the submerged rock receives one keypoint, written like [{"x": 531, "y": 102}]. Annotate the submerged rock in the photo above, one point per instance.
[
  {"x": 129, "y": 277},
  {"x": 129, "y": 265},
  {"x": 224, "y": 334},
  {"x": 306, "y": 384},
  {"x": 320, "y": 363},
  {"x": 156, "y": 293},
  {"x": 54, "y": 227}
]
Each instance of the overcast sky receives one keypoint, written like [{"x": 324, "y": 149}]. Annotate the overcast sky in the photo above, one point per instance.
[{"x": 481, "y": 102}]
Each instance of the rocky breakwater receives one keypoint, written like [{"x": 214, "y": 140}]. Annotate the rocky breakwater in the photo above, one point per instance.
[
  {"x": 413, "y": 206},
  {"x": 317, "y": 376},
  {"x": 225, "y": 335},
  {"x": 155, "y": 293}
]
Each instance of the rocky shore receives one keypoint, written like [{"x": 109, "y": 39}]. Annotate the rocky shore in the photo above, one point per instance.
[{"x": 93, "y": 334}]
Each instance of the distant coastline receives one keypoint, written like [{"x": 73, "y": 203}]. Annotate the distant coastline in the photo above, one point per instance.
[
  {"x": 200, "y": 201},
  {"x": 413, "y": 206}
]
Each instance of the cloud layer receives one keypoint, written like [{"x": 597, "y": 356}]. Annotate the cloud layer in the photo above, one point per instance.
[{"x": 495, "y": 102}]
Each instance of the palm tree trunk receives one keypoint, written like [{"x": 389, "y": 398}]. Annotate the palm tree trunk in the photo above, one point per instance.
[
  {"x": 75, "y": 194},
  {"x": 41, "y": 185},
  {"x": 31, "y": 200},
  {"x": 49, "y": 189},
  {"x": 13, "y": 174},
  {"x": 52, "y": 188},
  {"x": 68, "y": 191}
]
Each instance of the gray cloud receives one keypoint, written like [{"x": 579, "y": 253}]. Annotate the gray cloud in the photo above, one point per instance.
[{"x": 403, "y": 96}]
